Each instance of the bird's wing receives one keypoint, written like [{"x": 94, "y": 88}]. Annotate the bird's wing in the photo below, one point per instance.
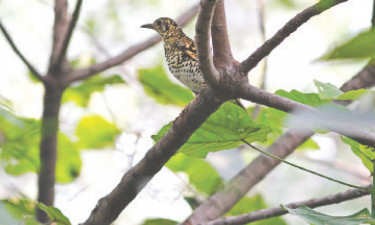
[{"x": 188, "y": 47}]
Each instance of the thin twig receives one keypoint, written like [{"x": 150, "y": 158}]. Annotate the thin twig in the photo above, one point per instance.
[
  {"x": 291, "y": 26},
  {"x": 69, "y": 33},
  {"x": 278, "y": 211},
  {"x": 128, "y": 53},
  {"x": 202, "y": 39},
  {"x": 263, "y": 78},
  {"x": 304, "y": 169},
  {"x": 34, "y": 72}
]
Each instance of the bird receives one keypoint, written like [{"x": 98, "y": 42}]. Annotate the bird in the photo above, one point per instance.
[{"x": 181, "y": 54}]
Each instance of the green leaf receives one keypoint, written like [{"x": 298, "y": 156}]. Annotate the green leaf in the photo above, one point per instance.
[
  {"x": 95, "y": 132},
  {"x": 69, "y": 162},
  {"x": 361, "y": 46},
  {"x": 327, "y": 91},
  {"x": 22, "y": 210},
  {"x": 81, "y": 94},
  {"x": 158, "y": 86},
  {"x": 250, "y": 204},
  {"x": 54, "y": 214},
  {"x": 20, "y": 149},
  {"x": 353, "y": 95},
  {"x": 363, "y": 152},
  {"x": 17, "y": 211},
  {"x": 311, "y": 99},
  {"x": 317, "y": 218},
  {"x": 207, "y": 182},
  {"x": 159, "y": 222},
  {"x": 224, "y": 129}
]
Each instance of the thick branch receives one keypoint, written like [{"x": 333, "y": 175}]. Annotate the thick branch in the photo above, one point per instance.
[
  {"x": 109, "y": 207},
  {"x": 128, "y": 53},
  {"x": 18, "y": 52},
  {"x": 59, "y": 30},
  {"x": 291, "y": 26},
  {"x": 220, "y": 40},
  {"x": 278, "y": 211},
  {"x": 223, "y": 200},
  {"x": 68, "y": 35},
  {"x": 202, "y": 39}
]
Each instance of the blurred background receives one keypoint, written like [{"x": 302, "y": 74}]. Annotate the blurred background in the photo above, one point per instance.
[{"x": 106, "y": 28}]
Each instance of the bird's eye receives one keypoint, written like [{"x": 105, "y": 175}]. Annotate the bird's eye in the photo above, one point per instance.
[{"x": 158, "y": 23}]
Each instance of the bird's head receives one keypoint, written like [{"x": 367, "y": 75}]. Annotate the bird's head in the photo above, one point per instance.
[{"x": 166, "y": 27}]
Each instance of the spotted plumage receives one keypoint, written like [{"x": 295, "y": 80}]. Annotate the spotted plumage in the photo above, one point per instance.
[{"x": 180, "y": 53}]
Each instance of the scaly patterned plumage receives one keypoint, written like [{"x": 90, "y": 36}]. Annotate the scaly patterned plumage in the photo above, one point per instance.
[{"x": 180, "y": 53}]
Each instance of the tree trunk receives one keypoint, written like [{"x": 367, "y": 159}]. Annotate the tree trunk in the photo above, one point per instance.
[{"x": 48, "y": 149}]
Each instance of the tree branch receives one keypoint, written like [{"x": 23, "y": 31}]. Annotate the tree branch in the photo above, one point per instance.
[
  {"x": 220, "y": 40},
  {"x": 364, "y": 79},
  {"x": 202, "y": 39},
  {"x": 291, "y": 26},
  {"x": 278, "y": 211},
  {"x": 68, "y": 35},
  {"x": 259, "y": 96},
  {"x": 373, "y": 15},
  {"x": 223, "y": 200},
  {"x": 59, "y": 31},
  {"x": 35, "y": 73},
  {"x": 109, "y": 207},
  {"x": 128, "y": 53}
]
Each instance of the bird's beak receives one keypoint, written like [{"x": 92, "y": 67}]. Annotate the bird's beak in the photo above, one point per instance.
[{"x": 149, "y": 26}]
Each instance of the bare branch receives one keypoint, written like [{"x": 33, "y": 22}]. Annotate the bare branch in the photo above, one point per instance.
[
  {"x": 109, "y": 207},
  {"x": 68, "y": 35},
  {"x": 291, "y": 26},
  {"x": 220, "y": 40},
  {"x": 128, "y": 53},
  {"x": 278, "y": 211},
  {"x": 223, "y": 200},
  {"x": 373, "y": 15},
  {"x": 202, "y": 39},
  {"x": 59, "y": 31},
  {"x": 18, "y": 52},
  {"x": 364, "y": 79}
]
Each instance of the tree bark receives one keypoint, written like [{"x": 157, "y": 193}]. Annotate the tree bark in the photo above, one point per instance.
[{"x": 48, "y": 149}]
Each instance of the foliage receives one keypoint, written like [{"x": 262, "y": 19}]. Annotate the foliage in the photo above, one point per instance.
[
  {"x": 157, "y": 85},
  {"x": 224, "y": 129},
  {"x": 17, "y": 211},
  {"x": 96, "y": 132},
  {"x": 54, "y": 214},
  {"x": 361, "y": 46},
  {"x": 366, "y": 154},
  {"x": 159, "y": 222},
  {"x": 317, "y": 218},
  {"x": 207, "y": 182},
  {"x": 250, "y": 204},
  {"x": 81, "y": 93}
]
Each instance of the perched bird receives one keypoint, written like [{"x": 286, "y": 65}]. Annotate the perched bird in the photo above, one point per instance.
[{"x": 180, "y": 54}]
